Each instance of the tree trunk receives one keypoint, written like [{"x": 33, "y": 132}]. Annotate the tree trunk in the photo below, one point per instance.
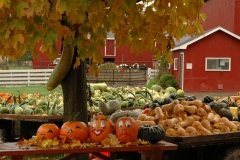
[{"x": 74, "y": 88}]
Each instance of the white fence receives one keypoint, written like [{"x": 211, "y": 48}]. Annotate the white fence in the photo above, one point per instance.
[{"x": 38, "y": 76}]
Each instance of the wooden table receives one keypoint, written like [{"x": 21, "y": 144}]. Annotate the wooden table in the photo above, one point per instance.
[{"x": 153, "y": 152}]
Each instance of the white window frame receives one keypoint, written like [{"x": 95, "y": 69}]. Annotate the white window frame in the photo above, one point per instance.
[
  {"x": 222, "y": 61},
  {"x": 175, "y": 64}
]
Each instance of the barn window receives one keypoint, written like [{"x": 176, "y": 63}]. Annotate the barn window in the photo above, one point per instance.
[
  {"x": 175, "y": 63},
  {"x": 218, "y": 64}
]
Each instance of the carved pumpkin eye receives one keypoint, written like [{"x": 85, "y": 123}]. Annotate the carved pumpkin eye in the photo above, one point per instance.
[
  {"x": 70, "y": 131},
  {"x": 94, "y": 124},
  {"x": 102, "y": 124},
  {"x": 128, "y": 123},
  {"x": 120, "y": 124},
  {"x": 50, "y": 131},
  {"x": 77, "y": 126}
]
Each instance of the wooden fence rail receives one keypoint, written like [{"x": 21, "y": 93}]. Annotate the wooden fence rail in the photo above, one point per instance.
[{"x": 40, "y": 77}]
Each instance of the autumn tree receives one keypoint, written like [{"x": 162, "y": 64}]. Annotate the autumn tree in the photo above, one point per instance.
[{"x": 82, "y": 25}]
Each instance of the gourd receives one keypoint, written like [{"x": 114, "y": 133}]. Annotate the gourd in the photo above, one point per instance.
[
  {"x": 224, "y": 112},
  {"x": 17, "y": 108},
  {"x": 198, "y": 126},
  {"x": 170, "y": 123},
  {"x": 52, "y": 111},
  {"x": 227, "y": 122},
  {"x": 207, "y": 99},
  {"x": 159, "y": 114},
  {"x": 207, "y": 108},
  {"x": 206, "y": 124},
  {"x": 140, "y": 123},
  {"x": 196, "y": 117},
  {"x": 128, "y": 113},
  {"x": 178, "y": 108},
  {"x": 61, "y": 68},
  {"x": 144, "y": 117},
  {"x": 28, "y": 111},
  {"x": 201, "y": 112},
  {"x": 153, "y": 134},
  {"x": 190, "y": 109},
  {"x": 110, "y": 107},
  {"x": 181, "y": 132},
  {"x": 196, "y": 103},
  {"x": 48, "y": 131},
  {"x": 4, "y": 110},
  {"x": 169, "y": 107},
  {"x": 186, "y": 122},
  {"x": 191, "y": 131}
]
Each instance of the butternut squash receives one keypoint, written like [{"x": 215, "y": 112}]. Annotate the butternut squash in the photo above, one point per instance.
[
  {"x": 210, "y": 117},
  {"x": 190, "y": 109},
  {"x": 198, "y": 126},
  {"x": 178, "y": 108},
  {"x": 170, "y": 123},
  {"x": 191, "y": 131},
  {"x": 206, "y": 124},
  {"x": 171, "y": 132},
  {"x": 169, "y": 107},
  {"x": 159, "y": 114},
  {"x": 181, "y": 132},
  {"x": 140, "y": 123},
  {"x": 207, "y": 108},
  {"x": 144, "y": 117},
  {"x": 198, "y": 103},
  {"x": 201, "y": 112},
  {"x": 186, "y": 122},
  {"x": 196, "y": 117},
  {"x": 229, "y": 123}
]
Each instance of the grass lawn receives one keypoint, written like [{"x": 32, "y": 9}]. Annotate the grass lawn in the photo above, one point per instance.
[{"x": 29, "y": 90}]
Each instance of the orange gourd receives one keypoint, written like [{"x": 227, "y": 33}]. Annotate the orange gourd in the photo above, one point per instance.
[
  {"x": 74, "y": 130},
  {"x": 126, "y": 129},
  {"x": 48, "y": 131},
  {"x": 100, "y": 128}
]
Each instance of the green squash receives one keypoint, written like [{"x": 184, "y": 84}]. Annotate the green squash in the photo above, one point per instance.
[
  {"x": 4, "y": 110},
  {"x": 224, "y": 112},
  {"x": 207, "y": 99},
  {"x": 153, "y": 134}
]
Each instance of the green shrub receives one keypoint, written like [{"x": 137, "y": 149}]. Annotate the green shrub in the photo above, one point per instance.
[
  {"x": 152, "y": 82},
  {"x": 167, "y": 80}
]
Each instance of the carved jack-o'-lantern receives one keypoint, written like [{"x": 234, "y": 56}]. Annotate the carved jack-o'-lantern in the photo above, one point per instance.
[
  {"x": 100, "y": 128},
  {"x": 74, "y": 130},
  {"x": 126, "y": 129},
  {"x": 48, "y": 131}
]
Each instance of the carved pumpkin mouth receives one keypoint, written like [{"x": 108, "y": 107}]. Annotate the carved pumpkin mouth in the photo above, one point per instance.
[
  {"x": 125, "y": 134},
  {"x": 97, "y": 132},
  {"x": 71, "y": 138}
]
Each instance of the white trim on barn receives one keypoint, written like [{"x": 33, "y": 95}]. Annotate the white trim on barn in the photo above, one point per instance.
[{"x": 189, "y": 40}]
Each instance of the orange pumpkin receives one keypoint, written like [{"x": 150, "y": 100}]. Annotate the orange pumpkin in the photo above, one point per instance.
[
  {"x": 74, "y": 130},
  {"x": 126, "y": 129},
  {"x": 100, "y": 128},
  {"x": 48, "y": 131}
]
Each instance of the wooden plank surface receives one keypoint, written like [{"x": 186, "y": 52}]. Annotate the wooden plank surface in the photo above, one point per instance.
[
  {"x": 13, "y": 149},
  {"x": 34, "y": 118}
]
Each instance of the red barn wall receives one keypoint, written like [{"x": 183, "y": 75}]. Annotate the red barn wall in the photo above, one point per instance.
[
  {"x": 218, "y": 44},
  {"x": 221, "y": 13},
  {"x": 236, "y": 17}
]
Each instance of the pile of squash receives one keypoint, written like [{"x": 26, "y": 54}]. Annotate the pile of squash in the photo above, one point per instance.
[{"x": 181, "y": 117}]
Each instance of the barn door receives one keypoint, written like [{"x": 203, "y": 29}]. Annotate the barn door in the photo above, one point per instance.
[{"x": 181, "y": 73}]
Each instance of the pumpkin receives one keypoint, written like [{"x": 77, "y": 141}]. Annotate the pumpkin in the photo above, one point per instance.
[
  {"x": 153, "y": 134},
  {"x": 48, "y": 131},
  {"x": 126, "y": 129},
  {"x": 74, "y": 130},
  {"x": 207, "y": 99},
  {"x": 100, "y": 128}
]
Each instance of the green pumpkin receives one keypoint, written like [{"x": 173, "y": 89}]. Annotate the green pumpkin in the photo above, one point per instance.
[
  {"x": 224, "y": 112},
  {"x": 153, "y": 134},
  {"x": 207, "y": 99}
]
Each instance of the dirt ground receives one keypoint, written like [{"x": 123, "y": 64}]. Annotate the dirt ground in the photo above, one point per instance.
[{"x": 200, "y": 95}]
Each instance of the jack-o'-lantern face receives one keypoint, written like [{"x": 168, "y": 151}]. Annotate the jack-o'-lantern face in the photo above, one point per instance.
[
  {"x": 74, "y": 131},
  {"x": 48, "y": 131},
  {"x": 126, "y": 129},
  {"x": 100, "y": 128}
]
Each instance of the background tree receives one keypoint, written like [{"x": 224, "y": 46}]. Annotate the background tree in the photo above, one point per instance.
[{"x": 83, "y": 25}]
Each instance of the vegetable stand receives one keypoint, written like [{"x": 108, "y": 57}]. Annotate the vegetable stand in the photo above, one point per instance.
[{"x": 12, "y": 149}]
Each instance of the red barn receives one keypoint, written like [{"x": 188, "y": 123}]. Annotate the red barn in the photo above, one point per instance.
[
  {"x": 110, "y": 53},
  {"x": 210, "y": 62}
]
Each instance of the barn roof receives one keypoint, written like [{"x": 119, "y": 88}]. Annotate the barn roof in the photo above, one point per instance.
[{"x": 186, "y": 41}]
